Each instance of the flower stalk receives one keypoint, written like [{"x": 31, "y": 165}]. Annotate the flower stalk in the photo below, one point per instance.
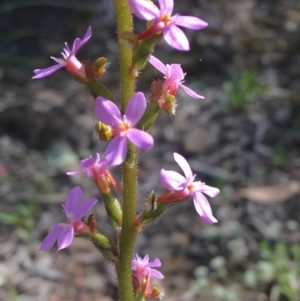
[{"x": 129, "y": 171}]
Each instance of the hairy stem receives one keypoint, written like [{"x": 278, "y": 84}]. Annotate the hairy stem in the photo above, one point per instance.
[{"x": 128, "y": 233}]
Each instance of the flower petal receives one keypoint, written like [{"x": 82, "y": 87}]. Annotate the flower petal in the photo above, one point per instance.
[
  {"x": 144, "y": 9},
  {"x": 176, "y": 72},
  {"x": 84, "y": 208},
  {"x": 166, "y": 6},
  {"x": 190, "y": 22},
  {"x": 176, "y": 38},
  {"x": 171, "y": 180},
  {"x": 190, "y": 92},
  {"x": 116, "y": 151},
  {"x": 154, "y": 264},
  {"x": 184, "y": 165},
  {"x": 156, "y": 274},
  {"x": 39, "y": 73},
  {"x": 73, "y": 199},
  {"x": 78, "y": 43},
  {"x": 140, "y": 139},
  {"x": 66, "y": 237},
  {"x": 51, "y": 238},
  {"x": 75, "y": 173},
  {"x": 107, "y": 112},
  {"x": 203, "y": 208},
  {"x": 88, "y": 162},
  {"x": 156, "y": 63},
  {"x": 135, "y": 108},
  {"x": 211, "y": 191}
]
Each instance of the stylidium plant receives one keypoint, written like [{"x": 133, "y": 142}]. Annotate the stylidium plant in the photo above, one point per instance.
[{"x": 124, "y": 125}]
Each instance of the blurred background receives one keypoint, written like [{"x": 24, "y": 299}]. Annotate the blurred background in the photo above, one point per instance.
[{"x": 243, "y": 138}]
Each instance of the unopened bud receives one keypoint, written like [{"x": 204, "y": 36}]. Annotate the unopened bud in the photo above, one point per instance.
[
  {"x": 104, "y": 131},
  {"x": 156, "y": 293},
  {"x": 100, "y": 66}
]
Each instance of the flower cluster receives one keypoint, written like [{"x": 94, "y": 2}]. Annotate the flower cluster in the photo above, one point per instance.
[{"x": 126, "y": 131}]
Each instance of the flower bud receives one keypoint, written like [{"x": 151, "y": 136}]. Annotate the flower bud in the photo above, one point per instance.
[
  {"x": 104, "y": 131},
  {"x": 100, "y": 66}
]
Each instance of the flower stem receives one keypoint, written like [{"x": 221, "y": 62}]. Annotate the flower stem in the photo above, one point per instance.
[
  {"x": 128, "y": 232},
  {"x": 127, "y": 76}
]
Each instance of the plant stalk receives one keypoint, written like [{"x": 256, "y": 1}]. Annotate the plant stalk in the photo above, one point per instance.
[{"x": 128, "y": 232}]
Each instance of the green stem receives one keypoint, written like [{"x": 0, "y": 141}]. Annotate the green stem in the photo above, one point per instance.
[
  {"x": 127, "y": 76},
  {"x": 128, "y": 232}
]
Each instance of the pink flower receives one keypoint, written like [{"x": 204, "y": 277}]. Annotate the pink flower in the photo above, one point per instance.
[
  {"x": 180, "y": 187},
  {"x": 63, "y": 233},
  {"x": 92, "y": 167},
  {"x": 174, "y": 77},
  {"x": 96, "y": 168},
  {"x": 123, "y": 126},
  {"x": 143, "y": 267},
  {"x": 163, "y": 22},
  {"x": 69, "y": 61}
]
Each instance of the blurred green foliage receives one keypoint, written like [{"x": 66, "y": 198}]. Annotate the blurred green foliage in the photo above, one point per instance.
[
  {"x": 22, "y": 216},
  {"x": 241, "y": 88},
  {"x": 276, "y": 272}
]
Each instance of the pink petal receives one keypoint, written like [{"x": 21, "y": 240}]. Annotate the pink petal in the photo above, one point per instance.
[
  {"x": 203, "y": 208},
  {"x": 166, "y": 6},
  {"x": 176, "y": 38},
  {"x": 87, "y": 36},
  {"x": 144, "y": 9},
  {"x": 211, "y": 191},
  {"x": 75, "y": 173},
  {"x": 107, "y": 112},
  {"x": 78, "y": 43},
  {"x": 140, "y": 139},
  {"x": 73, "y": 199},
  {"x": 177, "y": 73},
  {"x": 83, "y": 209},
  {"x": 156, "y": 274},
  {"x": 39, "y": 73},
  {"x": 51, "y": 238},
  {"x": 75, "y": 47},
  {"x": 171, "y": 180},
  {"x": 88, "y": 162},
  {"x": 184, "y": 165},
  {"x": 66, "y": 237},
  {"x": 155, "y": 263},
  {"x": 190, "y": 22},
  {"x": 156, "y": 63},
  {"x": 116, "y": 151},
  {"x": 190, "y": 92},
  {"x": 135, "y": 108}
]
